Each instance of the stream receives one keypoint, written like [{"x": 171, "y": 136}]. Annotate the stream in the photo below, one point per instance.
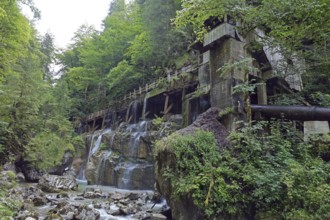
[{"x": 90, "y": 202}]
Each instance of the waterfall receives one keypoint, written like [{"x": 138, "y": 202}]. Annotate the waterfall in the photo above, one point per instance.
[
  {"x": 124, "y": 163},
  {"x": 102, "y": 167},
  {"x": 93, "y": 148},
  {"x": 138, "y": 130},
  {"x": 126, "y": 180},
  {"x": 133, "y": 112},
  {"x": 97, "y": 144}
]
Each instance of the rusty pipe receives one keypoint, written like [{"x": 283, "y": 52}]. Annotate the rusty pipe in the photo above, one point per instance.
[{"x": 301, "y": 113}]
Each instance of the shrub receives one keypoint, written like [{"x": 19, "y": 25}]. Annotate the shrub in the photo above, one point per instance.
[
  {"x": 46, "y": 150},
  {"x": 267, "y": 173}
]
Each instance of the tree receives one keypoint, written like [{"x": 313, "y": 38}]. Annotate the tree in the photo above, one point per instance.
[
  {"x": 49, "y": 51},
  {"x": 31, "y": 120},
  {"x": 14, "y": 34},
  {"x": 299, "y": 29}
]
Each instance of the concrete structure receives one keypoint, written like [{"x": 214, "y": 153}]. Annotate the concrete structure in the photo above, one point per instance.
[
  {"x": 225, "y": 61},
  {"x": 315, "y": 128}
]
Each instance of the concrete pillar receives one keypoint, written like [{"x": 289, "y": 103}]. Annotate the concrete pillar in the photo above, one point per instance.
[
  {"x": 221, "y": 93},
  {"x": 315, "y": 127},
  {"x": 262, "y": 94}
]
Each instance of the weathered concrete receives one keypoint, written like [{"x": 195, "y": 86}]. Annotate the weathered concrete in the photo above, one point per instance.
[{"x": 315, "y": 127}]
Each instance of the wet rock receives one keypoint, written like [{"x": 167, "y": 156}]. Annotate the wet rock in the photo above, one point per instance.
[
  {"x": 91, "y": 193},
  {"x": 70, "y": 215},
  {"x": 114, "y": 210},
  {"x": 23, "y": 215},
  {"x": 30, "y": 173},
  {"x": 39, "y": 201},
  {"x": 91, "y": 171},
  {"x": 117, "y": 196},
  {"x": 20, "y": 177},
  {"x": 54, "y": 216},
  {"x": 32, "y": 196},
  {"x": 135, "y": 176},
  {"x": 156, "y": 216},
  {"x": 30, "y": 218},
  {"x": 54, "y": 183},
  {"x": 86, "y": 213},
  {"x": 62, "y": 195},
  {"x": 133, "y": 196}
]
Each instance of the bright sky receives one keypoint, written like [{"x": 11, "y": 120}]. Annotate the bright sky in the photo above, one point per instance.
[{"x": 63, "y": 17}]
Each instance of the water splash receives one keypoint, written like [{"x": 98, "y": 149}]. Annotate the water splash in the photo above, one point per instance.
[
  {"x": 137, "y": 131},
  {"x": 126, "y": 181},
  {"x": 97, "y": 144}
]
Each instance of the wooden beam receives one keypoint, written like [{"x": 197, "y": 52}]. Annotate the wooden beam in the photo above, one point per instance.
[{"x": 166, "y": 103}]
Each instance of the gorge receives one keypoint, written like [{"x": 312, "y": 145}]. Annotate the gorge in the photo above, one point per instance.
[{"x": 223, "y": 116}]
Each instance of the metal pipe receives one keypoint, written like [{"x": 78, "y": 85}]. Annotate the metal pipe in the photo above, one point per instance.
[{"x": 301, "y": 113}]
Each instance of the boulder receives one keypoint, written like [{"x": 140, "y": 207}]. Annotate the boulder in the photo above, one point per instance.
[
  {"x": 54, "y": 183},
  {"x": 184, "y": 207},
  {"x": 30, "y": 173}
]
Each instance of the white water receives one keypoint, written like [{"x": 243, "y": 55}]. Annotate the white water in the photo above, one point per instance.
[
  {"x": 105, "y": 216},
  {"x": 97, "y": 144},
  {"x": 126, "y": 181},
  {"x": 94, "y": 147}
]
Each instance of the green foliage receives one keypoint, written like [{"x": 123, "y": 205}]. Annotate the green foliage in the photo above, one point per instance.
[
  {"x": 320, "y": 98},
  {"x": 9, "y": 206},
  {"x": 158, "y": 121},
  {"x": 137, "y": 45},
  {"x": 78, "y": 142},
  {"x": 123, "y": 72},
  {"x": 268, "y": 172},
  {"x": 284, "y": 99},
  {"x": 195, "y": 12},
  {"x": 15, "y": 33},
  {"x": 226, "y": 111},
  {"x": 47, "y": 145},
  {"x": 195, "y": 171},
  {"x": 30, "y": 106}
]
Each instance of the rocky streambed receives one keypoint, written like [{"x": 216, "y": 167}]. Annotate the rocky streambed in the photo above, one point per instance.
[{"x": 39, "y": 202}]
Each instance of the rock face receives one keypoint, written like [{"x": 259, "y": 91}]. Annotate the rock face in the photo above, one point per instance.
[
  {"x": 124, "y": 157},
  {"x": 30, "y": 173},
  {"x": 54, "y": 183},
  {"x": 184, "y": 208}
]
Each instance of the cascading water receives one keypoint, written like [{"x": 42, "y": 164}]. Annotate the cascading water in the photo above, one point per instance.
[
  {"x": 102, "y": 167},
  {"x": 137, "y": 131},
  {"x": 126, "y": 181},
  {"x": 97, "y": 144},
  {"x": 126, "y": 163},
  {"x": 94, "y": 146}
]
